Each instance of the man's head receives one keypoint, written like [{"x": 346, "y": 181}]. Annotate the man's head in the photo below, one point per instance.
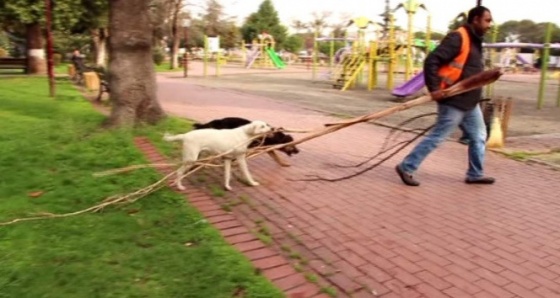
[{"x": 480, "y": 19}]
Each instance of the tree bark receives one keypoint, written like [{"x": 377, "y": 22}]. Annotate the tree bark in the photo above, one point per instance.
[
  {"x": 175, "y": 35},
  {"x": 36, "y": 62},
  {"x": 99, "y": 37},
  {"x": 131, "y": 69}
]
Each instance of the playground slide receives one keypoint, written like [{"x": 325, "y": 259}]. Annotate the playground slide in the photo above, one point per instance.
[
  {"x": 275, "y": 59},
  {"x": 252, "y": 57},
  {"x": 521, "y": 59},
  {"x": 412, "y": 86}
]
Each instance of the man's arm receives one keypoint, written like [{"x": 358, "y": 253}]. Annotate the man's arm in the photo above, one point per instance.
[{"x": 447, "y": 50}]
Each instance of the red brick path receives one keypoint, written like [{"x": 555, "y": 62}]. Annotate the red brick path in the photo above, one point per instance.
[
  {"x": 272, "y": 264},
  {"x": 371, "y": 235}
]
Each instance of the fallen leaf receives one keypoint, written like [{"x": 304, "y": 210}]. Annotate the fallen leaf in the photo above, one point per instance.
[{"x": 36, "y": 194}]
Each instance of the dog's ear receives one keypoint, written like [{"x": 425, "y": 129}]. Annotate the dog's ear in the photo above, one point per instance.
[
  {"x": 288, "y": 138},
  {"x": 254, "y": 128}
]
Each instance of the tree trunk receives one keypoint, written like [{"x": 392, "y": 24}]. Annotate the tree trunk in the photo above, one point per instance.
[
  {"x": 36, "y": 62},
  {"x": 131, "y": 69},
  {"x": 100, "y": 37},
  {"x": 175, "y": 35},
  {"x": 175, "y": 47}
]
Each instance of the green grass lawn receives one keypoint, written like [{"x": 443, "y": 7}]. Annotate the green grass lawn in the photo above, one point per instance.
[
  {"x": 164, "y": 67},
  {"x": 62, "y": 68},
  {"x": 156, "y": 247}
]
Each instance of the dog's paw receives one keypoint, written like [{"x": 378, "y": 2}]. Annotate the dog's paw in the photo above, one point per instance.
[
  {"x": 181, "y": 187},
  {"x": 227, "y": 187},
  {"x": 254, "y": 183}
]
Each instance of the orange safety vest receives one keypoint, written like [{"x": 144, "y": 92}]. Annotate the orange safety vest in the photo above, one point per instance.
[{"x": 451, "y": 73}]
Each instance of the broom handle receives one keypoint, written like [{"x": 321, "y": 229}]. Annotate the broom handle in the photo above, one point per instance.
[
  {"x": 471, "y": 83},
  {"x": 386, "y": 112},
  {"x": 476, "y": 81},
  {"x": 405, "y": 106}
]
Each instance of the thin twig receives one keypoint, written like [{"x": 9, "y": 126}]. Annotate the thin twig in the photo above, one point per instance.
[
  {"x": 403, "y": 146},
  {"x": 463, "y": 86}
]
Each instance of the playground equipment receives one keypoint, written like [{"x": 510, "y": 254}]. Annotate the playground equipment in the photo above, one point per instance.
[
  {"x": 362, "y": 54},
  {"x": 212, "y": 51},
  {"x": 411, "y": 7},
  {"x": 353, "y": 59},
  {"x": 335, "y": 57},
  {"x": 263, "y": 54},
  {"x": 411, "y": 86},
  {"x": 544, "y": 65}
]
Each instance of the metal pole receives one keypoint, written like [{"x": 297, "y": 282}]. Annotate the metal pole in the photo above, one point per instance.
[
  {"x": 331, "y": 52},
  {"x": 544, "y": 65},
  {"x": 205, "y": 68},
  {"x": 490, "y": 87},
  {"x": 558, "y": 94},
  {"x": 315, "y": 45},
  {"x": 186, "y": 58},
  {"x": 409, "y": 65},
  {"x": 218, "y": 57},
  {"x": 50, "y": 64},
  {"x": 392, "y": 58},
  {"x": 478, "y": 2},
  {"x": 428, "y": 34}
]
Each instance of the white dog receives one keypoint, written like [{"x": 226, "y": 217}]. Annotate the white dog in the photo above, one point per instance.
[{"x": 232, "y": 143}]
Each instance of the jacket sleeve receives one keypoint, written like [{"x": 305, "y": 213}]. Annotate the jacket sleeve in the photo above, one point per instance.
[{"x": 447, "y": 50}]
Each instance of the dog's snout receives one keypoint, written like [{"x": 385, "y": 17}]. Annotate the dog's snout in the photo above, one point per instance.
[{"x": 290, "y": 149}]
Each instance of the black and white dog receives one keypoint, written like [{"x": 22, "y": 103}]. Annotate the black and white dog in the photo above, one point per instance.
[{"x": 276, "y": 138}]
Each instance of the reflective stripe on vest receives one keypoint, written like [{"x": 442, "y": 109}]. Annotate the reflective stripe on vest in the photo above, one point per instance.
[{"x": 451, "y": 73}]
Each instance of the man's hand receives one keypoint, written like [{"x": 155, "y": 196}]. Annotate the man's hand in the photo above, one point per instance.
[{"x": 437, "y": 95}]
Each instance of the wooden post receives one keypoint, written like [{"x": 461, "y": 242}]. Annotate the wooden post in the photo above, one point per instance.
[{"x": 50, "y": 64}]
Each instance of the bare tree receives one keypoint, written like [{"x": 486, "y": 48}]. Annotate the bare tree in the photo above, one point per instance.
[
  {"x": 99, "y": 41},
  {"x": 299, "y": 25},
  {"x": 131, "y": 70},
  {"x": 320, "y": 20},
  {"x": 176, "y": 7},
  {"x": 36, "y": 62}
]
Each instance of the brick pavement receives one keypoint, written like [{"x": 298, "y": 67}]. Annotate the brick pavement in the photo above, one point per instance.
[{"x": 372, "y": 236}]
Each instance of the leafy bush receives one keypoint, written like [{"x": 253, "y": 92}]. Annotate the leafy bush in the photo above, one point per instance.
[{"x": 158, "y": 56}]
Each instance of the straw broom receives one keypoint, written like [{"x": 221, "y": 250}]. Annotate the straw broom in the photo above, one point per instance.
[{"x": 474, "y": 82}]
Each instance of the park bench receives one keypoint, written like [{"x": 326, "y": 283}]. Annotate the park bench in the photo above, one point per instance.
[{"x": 14, "y": 63}]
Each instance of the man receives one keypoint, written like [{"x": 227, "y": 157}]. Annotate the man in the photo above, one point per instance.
[{"x": 458, "y": 57}]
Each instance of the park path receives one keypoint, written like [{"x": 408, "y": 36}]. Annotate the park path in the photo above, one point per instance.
[{"x": 372, "y": 236}]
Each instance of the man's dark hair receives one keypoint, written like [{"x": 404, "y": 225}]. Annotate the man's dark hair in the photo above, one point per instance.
[{"x": 476, "y": 12}]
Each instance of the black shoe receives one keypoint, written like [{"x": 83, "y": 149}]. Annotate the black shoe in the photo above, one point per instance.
[
  {"x": 481, "y": 180},
  {"x": 406, "y": 178}
]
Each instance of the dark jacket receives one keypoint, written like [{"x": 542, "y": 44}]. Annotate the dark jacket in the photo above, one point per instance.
[{"x": 447, "y": 50}]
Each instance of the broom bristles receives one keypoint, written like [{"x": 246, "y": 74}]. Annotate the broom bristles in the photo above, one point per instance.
[
  {"x": 477, "y": 81},
  {"x": 496, "y": 138},
  {"x": 474, "y": 82}
]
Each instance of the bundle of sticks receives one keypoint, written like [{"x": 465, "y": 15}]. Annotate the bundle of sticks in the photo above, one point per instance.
[
  {"x": 478, "y": 81},
  {"x": 471, "y": 83}
]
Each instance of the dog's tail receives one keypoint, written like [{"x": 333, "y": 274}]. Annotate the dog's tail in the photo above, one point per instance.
[{"x": 170, "y": 138}]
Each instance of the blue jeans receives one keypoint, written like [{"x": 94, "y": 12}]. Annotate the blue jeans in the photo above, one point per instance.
[{"x": 449, "y": 118}]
